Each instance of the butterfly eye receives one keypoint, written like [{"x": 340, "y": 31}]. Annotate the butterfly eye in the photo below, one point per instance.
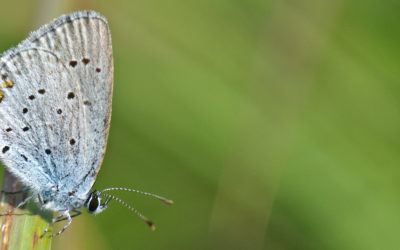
[{"x": 92, "y": 202}]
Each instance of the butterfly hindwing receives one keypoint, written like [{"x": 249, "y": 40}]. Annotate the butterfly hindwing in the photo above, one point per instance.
[{"x": 38, "y": 119}]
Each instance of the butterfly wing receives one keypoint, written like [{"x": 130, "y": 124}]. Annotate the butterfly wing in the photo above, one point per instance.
[
  {"x": 38, "y": 119},
  {"x": 81, "y": 43}
]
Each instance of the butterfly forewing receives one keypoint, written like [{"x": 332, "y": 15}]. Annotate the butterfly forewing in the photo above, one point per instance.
[{"x": 82, "y": 75}]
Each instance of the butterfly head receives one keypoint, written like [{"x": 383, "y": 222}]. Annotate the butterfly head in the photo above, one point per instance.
[{"x": 94, "y": 203}]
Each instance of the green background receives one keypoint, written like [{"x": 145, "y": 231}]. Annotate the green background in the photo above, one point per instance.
[{"x": 271, "y": 124}]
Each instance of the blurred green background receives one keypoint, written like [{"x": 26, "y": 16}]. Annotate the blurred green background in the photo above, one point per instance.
[{"x": 271, "y": 124}]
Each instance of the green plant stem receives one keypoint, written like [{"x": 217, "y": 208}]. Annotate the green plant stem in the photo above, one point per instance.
[{"x": 21, "y": 229}]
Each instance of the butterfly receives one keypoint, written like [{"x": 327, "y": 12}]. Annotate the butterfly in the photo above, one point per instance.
[{"x": 55, "y": 111}]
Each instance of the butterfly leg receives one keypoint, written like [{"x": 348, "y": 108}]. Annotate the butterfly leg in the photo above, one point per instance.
[
  {"x": 66, "y": 215},
  {"x": 18, "y": 206},
  {"x": 69, "y": 218},
  {"x": 54, "y": 220},
  {"x": 77, "y": 212}
]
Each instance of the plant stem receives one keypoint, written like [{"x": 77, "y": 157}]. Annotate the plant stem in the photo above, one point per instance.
[{"x": 23, "y": 227}]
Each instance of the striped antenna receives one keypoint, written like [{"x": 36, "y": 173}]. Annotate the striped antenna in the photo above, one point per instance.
[
  {"x": 165, "y": 200},
  {"x": 149, "y": 222}
]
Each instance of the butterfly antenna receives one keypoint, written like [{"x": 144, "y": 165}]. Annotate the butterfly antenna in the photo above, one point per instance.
[
  {"x": 149, "y": 222},
  {"x": 165, "y": 200}
]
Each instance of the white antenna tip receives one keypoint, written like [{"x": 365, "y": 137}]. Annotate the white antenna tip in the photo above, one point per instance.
[
  {"x": 150, "y": 223},
  {"x": 169, "y": 202}
]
